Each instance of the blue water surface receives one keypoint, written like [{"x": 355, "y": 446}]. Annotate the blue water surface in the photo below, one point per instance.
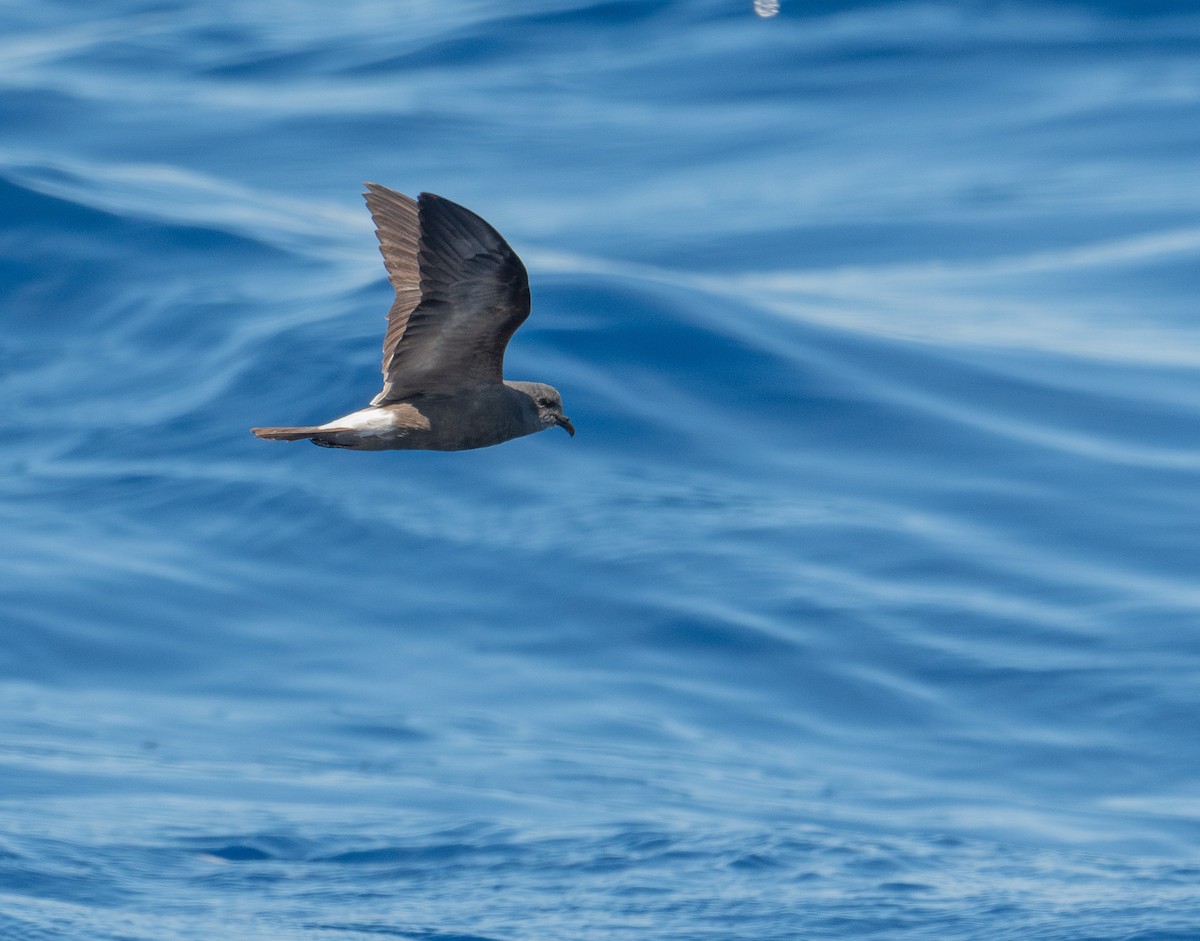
[{"x": 863, "y": 605}]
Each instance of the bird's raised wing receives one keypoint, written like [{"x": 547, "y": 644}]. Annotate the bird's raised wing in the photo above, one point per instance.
[{"x": 461, "y": 293}]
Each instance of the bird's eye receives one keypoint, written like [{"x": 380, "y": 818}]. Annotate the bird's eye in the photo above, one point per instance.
[{"x": 544, "y": 403}]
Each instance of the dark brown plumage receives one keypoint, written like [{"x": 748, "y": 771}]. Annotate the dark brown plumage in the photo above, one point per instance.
[{"x": 461, "y": 293}]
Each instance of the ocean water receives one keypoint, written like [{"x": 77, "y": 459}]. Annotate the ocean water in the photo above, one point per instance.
[{"x": 864, "y": 604}]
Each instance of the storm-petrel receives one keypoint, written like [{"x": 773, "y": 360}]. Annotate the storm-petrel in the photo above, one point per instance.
[{"x": 461, "y": 293}]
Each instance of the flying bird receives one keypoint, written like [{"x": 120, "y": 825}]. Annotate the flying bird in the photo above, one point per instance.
[{"x": 461, "y": 293}]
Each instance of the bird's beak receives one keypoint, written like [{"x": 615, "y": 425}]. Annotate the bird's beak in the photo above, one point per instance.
[{"x": 563, "y": 422}]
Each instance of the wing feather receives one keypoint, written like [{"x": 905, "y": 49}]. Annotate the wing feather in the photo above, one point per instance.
[{"x": 461, "y": 293}]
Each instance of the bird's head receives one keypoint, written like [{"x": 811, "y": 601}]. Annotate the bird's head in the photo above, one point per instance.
[{"x": 549, "y": 404}]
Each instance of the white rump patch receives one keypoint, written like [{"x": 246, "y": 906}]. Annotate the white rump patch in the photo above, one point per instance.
[{"x": 370, "y": 421}]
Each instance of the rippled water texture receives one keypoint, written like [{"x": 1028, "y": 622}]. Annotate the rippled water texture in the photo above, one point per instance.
[{"x": 863, "y": 605}]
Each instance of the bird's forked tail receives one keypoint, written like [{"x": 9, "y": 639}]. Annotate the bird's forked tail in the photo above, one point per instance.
[{"x": 286, "y": 434}]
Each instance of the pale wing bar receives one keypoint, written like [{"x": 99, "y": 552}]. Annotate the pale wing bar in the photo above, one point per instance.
[{"x": 398, "y": 228}]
